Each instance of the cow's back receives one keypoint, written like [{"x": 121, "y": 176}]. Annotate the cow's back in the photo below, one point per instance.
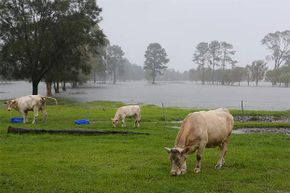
[
  {"x": 28, "y": 102},
  {"x": 211, "y": 127},
  {"x": 219, "y": 126},
  {"x": 129, "y": 110}
]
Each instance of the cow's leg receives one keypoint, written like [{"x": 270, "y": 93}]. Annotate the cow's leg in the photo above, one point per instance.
[
  {"x": 123, "y": 121},
  {"x": 138, "y": 120},
  {"x": 43, "y": 111},
  {"x": 35, "y": 113},
  {"x": 135, "y": 120},
  {"x": 24, "y": 115},
  {"x": 199, "y": 151},
  {"x": 223, "y": 151}
]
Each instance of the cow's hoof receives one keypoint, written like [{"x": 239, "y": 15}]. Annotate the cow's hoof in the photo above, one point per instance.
[
  {"x": 218, "y": 166},
  {"x": 183, "y": 172},
  {"x": 197, "y": 170}
]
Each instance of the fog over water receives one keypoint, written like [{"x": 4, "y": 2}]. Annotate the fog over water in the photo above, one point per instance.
[
  {"x": 179, "y": 25},
  {"x": 180, "y": 94}
]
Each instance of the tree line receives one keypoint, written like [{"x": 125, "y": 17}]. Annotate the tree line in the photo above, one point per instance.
[{"x": 61, "y": 42}]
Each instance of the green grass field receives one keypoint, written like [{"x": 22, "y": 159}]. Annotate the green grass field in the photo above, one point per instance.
[{"x": 134, "y": 163}]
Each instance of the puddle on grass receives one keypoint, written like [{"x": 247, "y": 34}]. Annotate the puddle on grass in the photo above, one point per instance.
[
  {"x": 255, "y": 130},
  {"x": 262, "y": 130}
]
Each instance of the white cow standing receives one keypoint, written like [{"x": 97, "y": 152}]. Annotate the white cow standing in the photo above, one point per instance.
[
  {"x": 198, "y": 131},
  {"x": 127, "y": 111},
  {"x": 33, "y": 103}
]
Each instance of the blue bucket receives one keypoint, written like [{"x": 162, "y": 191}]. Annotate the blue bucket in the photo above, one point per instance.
[
  {"x": 16, "y": 120},
  {"x": 82, "y": 122}
]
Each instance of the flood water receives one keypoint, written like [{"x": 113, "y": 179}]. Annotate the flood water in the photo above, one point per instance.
[{"x": 179, "y": 94}]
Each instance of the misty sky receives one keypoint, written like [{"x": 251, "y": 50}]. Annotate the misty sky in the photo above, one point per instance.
[{"x": 179, "y": 25}]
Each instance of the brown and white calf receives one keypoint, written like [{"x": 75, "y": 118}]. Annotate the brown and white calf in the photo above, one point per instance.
[
  {"x": 127, "y": 111},
  {"x": 198, "y": 131},
  {"x": 33, "y": 103}
]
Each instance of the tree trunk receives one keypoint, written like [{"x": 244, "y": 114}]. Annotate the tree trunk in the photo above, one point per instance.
[
  {"x": 74, "y": 84},
  {"x": 212, "y": 75},
  {"x": 56, "y": 87},
  {"x": 95, "y": 77},
  {"x": 48, "y": 89},
  {"x": 153, "y": 75},
  {"x": 257, "y": 82},
  {"x": 203, "y": 76},
  {"x": 114, "y": 77},
  {"x": 35, "y": 87},
  {"x": 105, "y": 78},
  {"x": 223, "y": 74},
  {"x": 153, "y": 79},
  {"x": 63, "y": 86}
]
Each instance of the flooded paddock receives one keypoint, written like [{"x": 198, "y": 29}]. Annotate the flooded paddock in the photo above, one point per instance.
[
  {"x": 262, "y": 130},
  {"x": 178, "y": 94}
]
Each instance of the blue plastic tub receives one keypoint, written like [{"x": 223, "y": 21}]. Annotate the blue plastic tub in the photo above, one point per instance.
[
  {"x": 16, "y": 120},
  {"x": 82, "y": 122}
]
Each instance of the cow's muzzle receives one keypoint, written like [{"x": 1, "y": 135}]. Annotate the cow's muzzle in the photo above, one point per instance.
[{"x": 175, "y": 173}]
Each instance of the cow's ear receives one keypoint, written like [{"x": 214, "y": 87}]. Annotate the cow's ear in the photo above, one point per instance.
[
  {"x": 6, "y": 102},
  {"x": 167, "y": 149},
  {"x": 13, "y": 101},
  {"x": 185, "y": 150}
]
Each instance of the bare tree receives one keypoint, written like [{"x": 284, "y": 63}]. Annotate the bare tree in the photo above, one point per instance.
[
  {"x": 226, "y": 56},
  {"x": 114, "y": 58},
  {"x": 279, "y": 44},
  {"x": 214, "y": 56},
  {"x": 200, "y": 57}
]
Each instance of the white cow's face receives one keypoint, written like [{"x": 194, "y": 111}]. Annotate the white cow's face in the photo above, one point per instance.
[
  {"x": 114, "y": 123},
  {"x": 11, "y": 104},
  {"x": 178, "y": 161}
]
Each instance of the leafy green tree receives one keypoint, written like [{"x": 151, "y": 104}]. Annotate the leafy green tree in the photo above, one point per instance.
[
  {"x": 38, "y": 36},
  {"x": 285, "y": 78},
  {"x": 193, "y": 75},
  {"x": 258, "y": 70},
  {"x": 279, "y": 44},
  {"x": 237, "y": 74},
  {"x": 155, "y": 60},
  {"x": 273, "y": 76},
  {"x": 130, "y": 71},
  {"x": 98, "y": 62},
  {"x": 115, "y": 59}
]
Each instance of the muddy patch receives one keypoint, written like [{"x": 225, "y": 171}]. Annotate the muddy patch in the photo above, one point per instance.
[
  {"x": 248, "y": 118},
  {"x": 262, "y": 130}
]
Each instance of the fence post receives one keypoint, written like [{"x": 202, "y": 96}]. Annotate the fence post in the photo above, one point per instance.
[
  {"x": 242, "y": 108},
  {"x": 163, "y": 112}
]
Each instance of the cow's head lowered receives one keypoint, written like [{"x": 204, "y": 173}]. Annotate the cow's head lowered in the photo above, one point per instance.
[
  {"x": 114, "y": 122},
  {"x": 177, "y": 157},
  {"x": 12, "y": 104}
]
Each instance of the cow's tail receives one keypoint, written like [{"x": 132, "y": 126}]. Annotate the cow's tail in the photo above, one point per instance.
[{"x": 51, "y": 98}]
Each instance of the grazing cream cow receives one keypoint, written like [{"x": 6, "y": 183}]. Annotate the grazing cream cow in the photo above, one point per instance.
[
  {"x": 24, "y": 104},
  {"x": 127, "y": 111},
  {"x": 198, "y": 131}
]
